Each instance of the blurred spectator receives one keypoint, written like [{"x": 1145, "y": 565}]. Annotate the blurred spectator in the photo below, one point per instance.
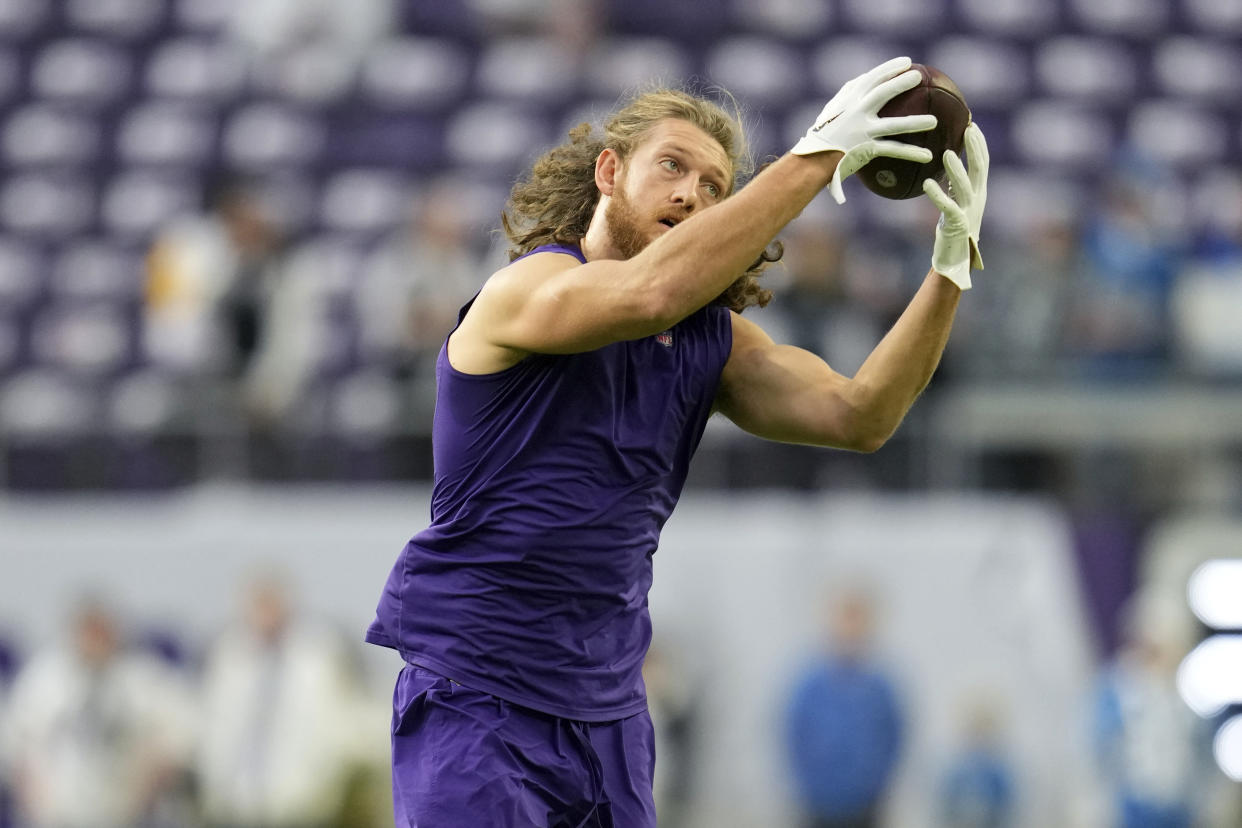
[
  {"x": 843, "y": 726},
  {"x": 207, "y": 280},
  {"x": 1155, "y": 753},
  {"x": 674, "y": 706},
  {"x": 277, "y": 718},
  {"x": 978, "y": 787},
  {"x": 98, "y": 735},
  {"x": 223, "y": 298},
  {"x": 1120, "y": 324},
  {"x": 414, "y": 284},
  {"x": 1014, "y": 324}
]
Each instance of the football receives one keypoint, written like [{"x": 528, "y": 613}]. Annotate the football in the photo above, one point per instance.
[{"x": 936, "y": 94}]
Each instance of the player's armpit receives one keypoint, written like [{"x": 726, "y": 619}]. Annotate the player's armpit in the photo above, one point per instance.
[
  {"x": 790, "y": 395},
  {"x": 549, "y": 303}
]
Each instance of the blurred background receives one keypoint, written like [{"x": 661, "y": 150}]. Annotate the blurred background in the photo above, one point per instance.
[{"x": 233, "y": 234}]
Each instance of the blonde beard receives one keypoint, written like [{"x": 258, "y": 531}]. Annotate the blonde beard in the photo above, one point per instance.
[{"x": 622, "y": 221}]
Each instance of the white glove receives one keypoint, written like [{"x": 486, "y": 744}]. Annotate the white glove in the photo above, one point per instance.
[
  {"x": 957, "y": 233},
  {"x": 850, "y": 123}
]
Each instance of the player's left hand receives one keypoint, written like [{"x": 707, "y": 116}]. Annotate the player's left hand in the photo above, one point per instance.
[{"x": 961, "y": 210}]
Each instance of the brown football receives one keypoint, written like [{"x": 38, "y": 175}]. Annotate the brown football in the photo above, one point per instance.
[{"x": 936, "y": 94}]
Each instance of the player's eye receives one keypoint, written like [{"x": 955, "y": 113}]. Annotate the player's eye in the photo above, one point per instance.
[
  {"x": 713, "y": 190},
  {"x": 670, "y": 165}
]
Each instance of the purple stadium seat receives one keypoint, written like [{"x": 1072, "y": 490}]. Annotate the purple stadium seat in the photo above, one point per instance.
[
  {"x": 46, "y": 135},
  {"x": 842, "y": 58},
  {"x": 1198, "y": 67},
  {"x": 85, "y": 339},
  {"x": 20, "y": 19},
  {"x": 22, "y": 273},
  {"x": 624, "y": 64},
  {"x": 97, "y": 269},
  {"x": 271, "y": 134},
  {"x": 166, "y": 133},
  {"x": 794, "y": 20},
  {"x": 81, "y": 71},
  {"x": 1086, "y": 68},
  {"x": 195, "y": 69},
  {"x": 365, "y": 201},
  {"x": 415, "y": 73},
  {"x": 1216, "y": 17},
  {"x": 128, "y": 19},
  {"x": 49, "y": 205},
  {"x": 894, "y": 17},
  {"x": 1062, "y": 134},
  {"x": 1178, "y": 132},
  {"x": 10, "y": 75},
  {"x": 690, "y": 23},
  {"x": 142, "y": 402},
  {"x": 764, "y": 71},
  {"x": 40, "y": 402},
  {"x": 990, "y": 72},
  {"x": 203, "y": 15},
  {"x": 135, "y": 203},
  {"x": 1031, "y": 19},
  {"x": 528, "y": 69},
  {"x": 471, "y": 139},
  {"x": 1137, "y": 18}
]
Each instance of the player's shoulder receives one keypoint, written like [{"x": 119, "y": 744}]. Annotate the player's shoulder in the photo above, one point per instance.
[{"x": 519, "y": 277}]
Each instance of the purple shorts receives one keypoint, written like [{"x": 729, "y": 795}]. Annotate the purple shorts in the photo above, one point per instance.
[{"x": 465, "y": 759}]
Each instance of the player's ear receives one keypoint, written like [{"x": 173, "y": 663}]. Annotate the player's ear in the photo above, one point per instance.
[{"x": 607, "y": 168}]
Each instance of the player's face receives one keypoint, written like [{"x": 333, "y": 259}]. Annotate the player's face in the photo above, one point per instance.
[{"x": 677, "y": 171}]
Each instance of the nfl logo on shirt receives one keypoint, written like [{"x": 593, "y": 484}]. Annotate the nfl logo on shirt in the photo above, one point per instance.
[{"x": 665, "y": 339}]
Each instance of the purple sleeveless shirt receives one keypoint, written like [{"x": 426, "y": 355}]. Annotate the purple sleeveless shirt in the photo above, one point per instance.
[{"x": 553, "y": 479}]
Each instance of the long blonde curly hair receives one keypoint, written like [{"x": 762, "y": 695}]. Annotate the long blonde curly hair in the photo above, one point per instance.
[{"x": 555, "y": 202}]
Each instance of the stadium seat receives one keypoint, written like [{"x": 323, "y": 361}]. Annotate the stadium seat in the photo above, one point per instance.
[
  {"x": 1086, "y": 68},
  {"x": 529, "y": 69},
  {"x": 129, "y": 19},
  {"x": 21, "y": 19},
  {"x": 842, "y": 58},
  {"x": 85, "y": 339},
  {"x": 894, "y": 17},
  {"x": 311, "y": 74},
  {"x": 1198, "y": 67},
  {"x": 10, "y": 342},
  {"x": 166, "y": 133},
  {"x": 203, "y": 15},
  {"x": 415, "y": 73},
  {"x": 1134, "y": 18},
  {"x": 990, "y": 72},
  {"x": 85, "y": 72},
  {"x": 50, "y": 136},
  {"x": 42, "y": 402},
  {"x": 269, "y": 134},
  {"x": 761, "y": 70},
  {"x": 97, "y": 269},
  {"x": 195, "y": 69},
  {"x": 365, "y": 201},
  {"x": 1020, "y": 199},
  {"x": 1177, "y": 132},
  {"x": 1062, "y": 134},
  {"x": 135, "y": 203},
  {"x": 22, "y": 273},
  {"x": 1216, "y": 17},
  {"x": 1031, "y": 19},
  {"x": 142, "y": 402},
  {"x": 10, "y": 75},
  {"x": 620, "y": 66},
  {"x": 793, "y": 20},
  {"x": 52, "y": 205},
  {"x": 471, "y": 138}
]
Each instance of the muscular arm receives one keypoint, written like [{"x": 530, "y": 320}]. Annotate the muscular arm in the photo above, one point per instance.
[
  {"x": 551, "y": 303},
  {"x": 788, "y": 394}
]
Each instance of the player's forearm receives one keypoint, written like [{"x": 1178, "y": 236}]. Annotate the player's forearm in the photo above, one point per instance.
[
  {"x": 698, "y": 259},
  {"x": 900, "y": 367}
]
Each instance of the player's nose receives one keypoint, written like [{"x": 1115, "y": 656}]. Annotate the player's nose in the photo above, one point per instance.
[{"x": 686, "y": 193}]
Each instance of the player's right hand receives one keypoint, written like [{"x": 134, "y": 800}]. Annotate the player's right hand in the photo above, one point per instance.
[{"x": 851, "y": 123}]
